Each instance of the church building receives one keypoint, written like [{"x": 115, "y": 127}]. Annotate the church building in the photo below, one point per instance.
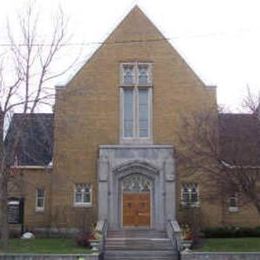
[{"x": 110, "y": 149}]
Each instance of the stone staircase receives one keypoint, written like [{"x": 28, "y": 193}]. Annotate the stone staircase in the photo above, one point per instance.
[{"x": 138, "y": 244}]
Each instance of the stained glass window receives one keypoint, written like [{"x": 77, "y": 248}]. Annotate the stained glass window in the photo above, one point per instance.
[{"x": 136, "y": 183}]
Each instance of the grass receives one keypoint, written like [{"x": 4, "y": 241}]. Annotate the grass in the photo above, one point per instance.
[
  {"x": 246, "y": 244},
  {"x": 68, "y": 246},
  {"x": 45, "y": 246}
]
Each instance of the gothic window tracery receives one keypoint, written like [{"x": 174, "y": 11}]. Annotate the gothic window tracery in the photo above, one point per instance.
[{"x": 136, "y": 183}]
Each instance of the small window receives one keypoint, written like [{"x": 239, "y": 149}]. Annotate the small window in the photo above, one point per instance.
[
  {"x": 82, "y": 195},
  {"x": 190, "y": 195},
  {"x": 233, "y": 203},
  {"x": 40, "y": 199}
]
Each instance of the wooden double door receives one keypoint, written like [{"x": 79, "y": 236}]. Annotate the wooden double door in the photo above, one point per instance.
[{"x": 136, "y": 209}]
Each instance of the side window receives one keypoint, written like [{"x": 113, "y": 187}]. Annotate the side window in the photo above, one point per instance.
[
  {"x": 40, "y": 199},
  {"x": 82, "y": 195},
  {"x": 233, "y": 203},
  {"x": 190, "y": 195}
]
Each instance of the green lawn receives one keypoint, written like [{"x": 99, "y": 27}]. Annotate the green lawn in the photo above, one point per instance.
[
  {"x": 247, "y": 244},
  {"x": 40, "y": 245}
]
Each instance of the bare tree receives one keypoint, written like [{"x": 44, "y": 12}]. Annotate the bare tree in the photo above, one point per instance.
[
  {"x": 223, "y": 149},
  {"x": 26, "y": 74},
  {"x": 251, "y": 102}
]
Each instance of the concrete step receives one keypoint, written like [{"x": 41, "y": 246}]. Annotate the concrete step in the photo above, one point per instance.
[
  {"x": 138, "y": 244},
  {"x": 137, "y": 233},
  {"x": 137, "y": 255}
]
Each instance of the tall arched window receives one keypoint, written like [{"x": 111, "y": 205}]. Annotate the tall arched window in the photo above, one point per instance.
[{"x": 136, "y": 97}]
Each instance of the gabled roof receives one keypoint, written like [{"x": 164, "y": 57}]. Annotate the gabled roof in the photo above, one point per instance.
[
  {"x": 35, "y": 143},
  {"x": 136, "y": 29},
  {"x": 240, "y": 139}
]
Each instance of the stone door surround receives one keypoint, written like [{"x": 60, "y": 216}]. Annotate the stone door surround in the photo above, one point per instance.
[{"x": 154, "y": 162}]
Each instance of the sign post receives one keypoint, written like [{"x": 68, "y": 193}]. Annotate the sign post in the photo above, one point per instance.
[{"x": 16, "y": 212}]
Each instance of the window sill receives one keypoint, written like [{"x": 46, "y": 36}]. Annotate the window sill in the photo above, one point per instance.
[
  {"x": 82, "y": 205},
  {"x": 39, "y": 210},
  {"x": 233, "y": 209},
  {"x": 139, "y": 85},
  {"x": 194, "y": 205},
  {"x": 134, "y": 141}
]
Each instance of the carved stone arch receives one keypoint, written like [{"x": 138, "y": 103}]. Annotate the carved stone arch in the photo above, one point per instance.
[{"x": 131, "y": 167}]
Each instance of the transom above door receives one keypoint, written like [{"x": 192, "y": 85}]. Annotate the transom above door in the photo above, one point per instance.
[{"x": 136, "y": 201}]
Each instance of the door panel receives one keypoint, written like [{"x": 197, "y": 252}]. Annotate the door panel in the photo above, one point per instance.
[{"x": 136, "y": 209}]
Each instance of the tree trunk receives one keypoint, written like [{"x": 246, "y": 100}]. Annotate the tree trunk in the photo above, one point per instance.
[
  {"x": 4, "y": 231},
  {"x": 4, "y": 216}
]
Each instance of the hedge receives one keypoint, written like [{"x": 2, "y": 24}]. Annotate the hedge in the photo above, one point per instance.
[{"x": 231, "y": 231}]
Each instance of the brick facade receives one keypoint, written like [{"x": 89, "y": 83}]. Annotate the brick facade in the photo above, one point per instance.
[{"x": 87, "y": 114}]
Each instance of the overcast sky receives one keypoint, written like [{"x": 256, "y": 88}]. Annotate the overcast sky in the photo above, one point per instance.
[{"x": 220, "y": 39}]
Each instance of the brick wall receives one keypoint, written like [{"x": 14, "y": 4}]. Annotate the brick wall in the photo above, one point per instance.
[{"x": 87, "y": 114}]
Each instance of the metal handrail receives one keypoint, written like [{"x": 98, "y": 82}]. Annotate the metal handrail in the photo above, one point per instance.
[
  {"x": 104, "y": 235},
  {"x": 102, "y": 227},
  {"x": 173, "y": 231}
]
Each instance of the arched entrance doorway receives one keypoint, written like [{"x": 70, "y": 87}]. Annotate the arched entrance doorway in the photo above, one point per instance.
[
  {"x": 117, "y": 166},
  {"x": 136, "y": 200}
]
